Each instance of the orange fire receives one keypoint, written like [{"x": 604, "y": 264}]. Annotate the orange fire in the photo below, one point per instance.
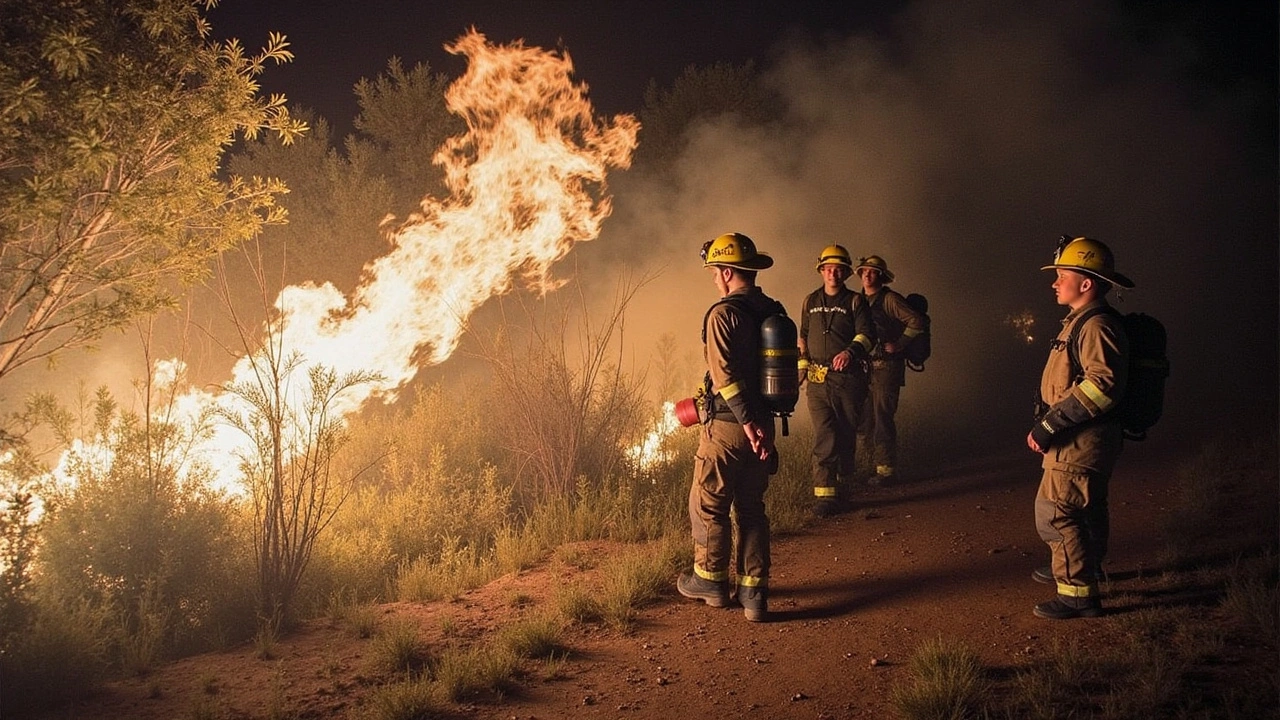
[{"x": 526, "y": 182}]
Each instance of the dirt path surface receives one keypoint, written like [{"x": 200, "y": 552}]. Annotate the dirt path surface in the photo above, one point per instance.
[
  {"x": 852, "y": 597},
  {"x": 851, "y": 600}
]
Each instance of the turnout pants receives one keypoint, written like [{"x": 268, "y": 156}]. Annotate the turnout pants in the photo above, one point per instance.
[
  {"x": 877, "y": 430},
  {"x": 835, "y": 407},
  {"x": 1072, "y": 517},
  {"x": 728, "y": 477}
]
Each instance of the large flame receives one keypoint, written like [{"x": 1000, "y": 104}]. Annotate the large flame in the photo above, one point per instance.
[{"x": 526, "y": 182}]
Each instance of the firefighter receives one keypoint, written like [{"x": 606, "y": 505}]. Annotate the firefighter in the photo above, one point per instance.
[
  {"x": 1079, "y": 439},
  {"x": 836, "y": 337},
  {"x": 736, "y": 452},
  {"x": 896, "y": 325}
]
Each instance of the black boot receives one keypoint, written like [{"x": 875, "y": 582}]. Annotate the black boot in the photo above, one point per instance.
[
  {"x": 715, "y": 594},
  {"x": 1066, "y": 607}
]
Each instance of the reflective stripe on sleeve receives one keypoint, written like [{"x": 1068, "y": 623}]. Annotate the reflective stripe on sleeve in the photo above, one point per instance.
[
  {"x": 910, "y": 333},
  {"x": 1096, "y": 396},
  {"x": 824, "y": 492},
  {"x": 864, "y": 341},
  {"x": 803, "y": 363},
  {"x": 730, "y": 390}
]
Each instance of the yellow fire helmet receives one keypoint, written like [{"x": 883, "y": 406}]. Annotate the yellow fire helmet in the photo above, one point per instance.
[
  {"x": 834, "y": 255},
  {"x": 1090, "y": 257},
  {"x": 734, "y": 250},
  {"x": 875, "y": 262}
]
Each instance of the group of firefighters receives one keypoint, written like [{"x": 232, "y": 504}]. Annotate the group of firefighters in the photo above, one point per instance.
[{"x": 852, "y": 368}]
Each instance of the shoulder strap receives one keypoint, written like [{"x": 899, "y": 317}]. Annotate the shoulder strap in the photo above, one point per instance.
[
  {"x": 736, "y": 301},
  {"x": 1073, "y": 340}
]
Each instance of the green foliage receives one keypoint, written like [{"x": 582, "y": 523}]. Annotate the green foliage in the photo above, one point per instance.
[
  {"x": 403, "y": 121},
  {"x": 113, "y": 121},
  {"x": 140, "y": 535},
  {"x": 578, "y": 604}
]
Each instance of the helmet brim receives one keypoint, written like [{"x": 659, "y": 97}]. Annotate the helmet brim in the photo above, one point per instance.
[
  {"x": 834, "y": 262},
  {"x": 884, "y": 272},
  {"x": 760, "y": 262},
  {"x": 1111, "y": 276}
]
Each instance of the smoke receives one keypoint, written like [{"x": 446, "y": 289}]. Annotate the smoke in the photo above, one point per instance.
[{"x": 960, "y": 149}]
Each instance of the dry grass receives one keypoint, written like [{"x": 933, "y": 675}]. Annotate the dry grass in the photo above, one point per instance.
[
  {"x": 946, "y": 683},
  {"x": 400, "y": 649}
]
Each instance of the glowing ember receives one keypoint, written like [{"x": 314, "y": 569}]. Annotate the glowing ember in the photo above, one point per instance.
[
  {"x": 1022, "y": 324},
  {"x": 526, "y": 182}
]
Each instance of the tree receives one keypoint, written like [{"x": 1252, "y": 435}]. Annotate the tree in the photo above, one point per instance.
[
  {"x": 338, "y": 198},
  {"x": 699, "y": 93},
  {"x": 113, "y": 119}
]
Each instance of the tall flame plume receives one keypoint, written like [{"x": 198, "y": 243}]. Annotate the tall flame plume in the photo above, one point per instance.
[{"x": 526, "y": 182}]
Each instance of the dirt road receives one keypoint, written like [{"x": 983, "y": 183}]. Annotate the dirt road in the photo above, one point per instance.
[{"x": 852, "y": 597}]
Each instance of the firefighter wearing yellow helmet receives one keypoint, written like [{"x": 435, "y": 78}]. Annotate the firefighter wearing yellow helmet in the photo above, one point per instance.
[
  {"x": 736, "y": 452},
  {"x": 897, "y": 324},
  {"x": 1079, "y": 439},
  {"x": 836, "y": 337}
]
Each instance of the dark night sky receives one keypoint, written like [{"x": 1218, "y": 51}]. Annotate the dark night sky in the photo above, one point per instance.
[{"x": 617, "y": 47}]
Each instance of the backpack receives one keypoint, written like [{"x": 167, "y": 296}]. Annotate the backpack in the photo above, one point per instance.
[
  {"x": 779, "y": 383},
  {"x": 921, "y": 347},
  {"x": 1143, "y": 401}
]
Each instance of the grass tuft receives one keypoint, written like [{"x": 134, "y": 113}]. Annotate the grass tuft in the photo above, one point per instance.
[
  {"x": 945, "y": 683},
  {"x": 398, "y": 648},
  {"x": 535, "y": 638}
]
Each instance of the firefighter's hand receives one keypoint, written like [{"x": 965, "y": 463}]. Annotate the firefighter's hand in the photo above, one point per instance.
[
  {"x": 1031, "y": 443},
  {"x": 841, "y": 360},
  {"x": 761, "y": 443},
  {"x": 890, "y": 348}
]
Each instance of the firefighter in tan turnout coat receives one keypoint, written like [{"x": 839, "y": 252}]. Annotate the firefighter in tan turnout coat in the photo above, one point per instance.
[
  {"x": 897, "y": 324},
  {"x": 1079, "y": 437},
  {"x": 736, "y": 452}
]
